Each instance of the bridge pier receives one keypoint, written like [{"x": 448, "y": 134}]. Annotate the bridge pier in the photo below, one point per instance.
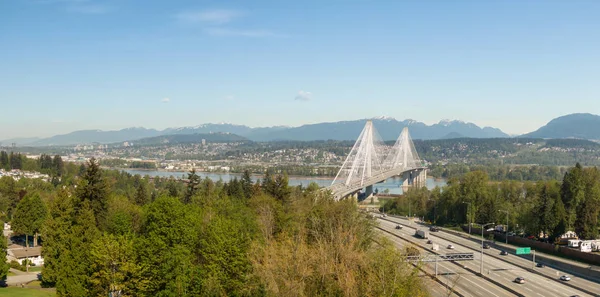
[
  {"x": 414, "y": 179},
  {"x": 368, "y": 191}
]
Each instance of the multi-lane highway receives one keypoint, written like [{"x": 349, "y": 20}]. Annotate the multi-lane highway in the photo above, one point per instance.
[
  {"x": 461, "y": 280},
  {"x": 502, "y": 270}
]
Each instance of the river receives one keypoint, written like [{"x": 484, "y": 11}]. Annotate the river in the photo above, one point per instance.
[{"x": 393, "y": 184}]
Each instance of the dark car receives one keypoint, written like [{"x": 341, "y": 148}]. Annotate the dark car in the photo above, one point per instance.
[
  {"x": 503, "y": 253},
  {"x": 486, "y": 246},
  {"x": 398, "y": 227},
  {"x": 540, "y": 265},
  {"x": 434, "y": 229},
  {"x": 520, "y": 280}
]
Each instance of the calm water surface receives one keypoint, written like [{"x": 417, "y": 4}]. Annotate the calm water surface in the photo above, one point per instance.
[{"x": 393, "y": 184}]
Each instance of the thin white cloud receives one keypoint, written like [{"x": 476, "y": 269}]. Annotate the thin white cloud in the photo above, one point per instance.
[
  {"x": 214, "y": 16},
  {"x": 229, "y": 98},
  {"x": 303, "y": 96},
  {"x": 241, "y": 33},
  {"x": 165, "y": 100}
]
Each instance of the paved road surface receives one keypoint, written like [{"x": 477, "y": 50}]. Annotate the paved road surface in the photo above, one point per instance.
[{"x": 503, "y": 269}]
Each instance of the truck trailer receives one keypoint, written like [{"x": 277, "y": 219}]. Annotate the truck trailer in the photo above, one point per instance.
[{"x": 422, "y": 233}]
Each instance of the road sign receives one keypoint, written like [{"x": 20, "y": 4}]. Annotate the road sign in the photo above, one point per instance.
[{"x": 524, "y": 251}]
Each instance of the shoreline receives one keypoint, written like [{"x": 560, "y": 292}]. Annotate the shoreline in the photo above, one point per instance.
[{"x": 179, "y": 172}]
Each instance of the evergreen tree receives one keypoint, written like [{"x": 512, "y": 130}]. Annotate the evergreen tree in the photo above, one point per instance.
[
  {"x": 559, "y": 212},
  {"x": 29, "y": 217},
  {"x": 192, "y": 186},
  {"x": 76, "y": 261},
  {"x": 93, "y": 189},
  {"x": 4, "y": 266},
  {"x": 586, "y": 222},
  {"x": 58, "y": 165},
  {"x": 572, "y": 193},
  {"x": 543, "y": 211},
  {"x": 247, "y": 184},
  {"x": 172, "y": 189},
  {"x": 141, "y": 195},
  {"x": 4, "y": 162},
  {"x": 55, "y": 232}
]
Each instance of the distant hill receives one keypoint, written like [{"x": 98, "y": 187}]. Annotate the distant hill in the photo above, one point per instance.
[
  {"x": 19, "y": 141},
  {"x": 577, "y": 125},
  {"x": 388, "y": 128},
  {"x": 96, "y": 136},
  {"x": 191, "y": 138},
  {"x": 453, "y": 135}
]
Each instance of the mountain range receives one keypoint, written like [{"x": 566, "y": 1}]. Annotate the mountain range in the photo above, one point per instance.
[
  {"x": 583, "y": 126},
  {"x": 577, "y": 125}
]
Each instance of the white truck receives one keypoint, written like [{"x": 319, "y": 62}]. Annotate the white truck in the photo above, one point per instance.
[
  {"x": 573, "y": 243},
  {"x": 585, "y": 246},
  {"x": 422, "y": 233},
  {"x": 435, "y": 247}
]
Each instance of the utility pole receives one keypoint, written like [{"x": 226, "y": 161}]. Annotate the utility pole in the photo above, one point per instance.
[
  {"x": 506, "y": 231},
  {"x": 482, "y": 226}
]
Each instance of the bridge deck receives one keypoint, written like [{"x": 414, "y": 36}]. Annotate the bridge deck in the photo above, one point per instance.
[{"x": 340, "y": 190}]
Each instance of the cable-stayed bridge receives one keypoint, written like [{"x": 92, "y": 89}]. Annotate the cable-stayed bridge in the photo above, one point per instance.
[{"x": 370, "y": 162}]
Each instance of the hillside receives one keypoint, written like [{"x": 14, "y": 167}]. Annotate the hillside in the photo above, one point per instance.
[
  {"x": 577, "y": 125},
  {"x": 388, "y": 128},
  {"x": 190, "y": 138}
]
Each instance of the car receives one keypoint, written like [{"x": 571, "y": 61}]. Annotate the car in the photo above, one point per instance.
[
  {"x": 486, "y": 246},
  {"x": 540, "y": 265},
  {"x": 384, "y": 215},
  {"x": 434, "y": 229},
  {"x": 565, "y": 278},
  {"x": 503, "y": 253},
  {"x": 429, "y": 242},
  {"x": 520, "y": 280},
  {"x": 450, "y": 246},
  {"x": 398, "y": 227}
]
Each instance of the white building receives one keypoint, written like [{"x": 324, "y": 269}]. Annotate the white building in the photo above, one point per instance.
[{"x": 34, "y": 254}]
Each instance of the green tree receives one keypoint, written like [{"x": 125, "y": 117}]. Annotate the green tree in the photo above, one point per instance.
[
  {"x": 76, "y": 261},
  {"x": 588, "y": 210},
  {"x": 192, "y": 186},
  {"x": 115, "y": 268},
  {"x": 58, "y": 165},
  {"x": 544, "y": 211},
  {"x": 29, "y": 217},
  {"x": 572, "y": 193},
  {"x": 56, "y": 233},
  {"x": 4, "y": 162},
  {"x": 4, "y": 266},
  {"x": 247, "y": 184},
  {"x": 141, "y": 194},
  {"x": 93, "y": 189}
]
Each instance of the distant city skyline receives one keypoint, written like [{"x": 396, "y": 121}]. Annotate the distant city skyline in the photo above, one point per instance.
[{"x": 72, "y": 65}]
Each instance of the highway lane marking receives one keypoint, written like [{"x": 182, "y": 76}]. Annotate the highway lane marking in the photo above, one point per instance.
[
  {"x": 443, "y": 267},
  {"x": 467, "y": 279},
  {"x": 518, "y": 262},
  {"x": 493, "y": 263}
]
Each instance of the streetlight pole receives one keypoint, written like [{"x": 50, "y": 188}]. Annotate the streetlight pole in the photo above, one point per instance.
[
  {"x": 468, "y": 208},
  {"x": 506, "y": 231},
  {"x": 482, "y": 226}
]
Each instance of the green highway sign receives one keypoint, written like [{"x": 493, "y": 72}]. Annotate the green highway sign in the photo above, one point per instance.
[{"x": 524, "y": 251}]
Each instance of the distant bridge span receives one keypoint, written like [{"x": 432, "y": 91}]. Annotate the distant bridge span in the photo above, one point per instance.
[{"x": 370, "y": 162}]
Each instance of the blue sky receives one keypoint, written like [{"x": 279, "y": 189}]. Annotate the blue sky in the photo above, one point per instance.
[{"x": 88, "y": 64}]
